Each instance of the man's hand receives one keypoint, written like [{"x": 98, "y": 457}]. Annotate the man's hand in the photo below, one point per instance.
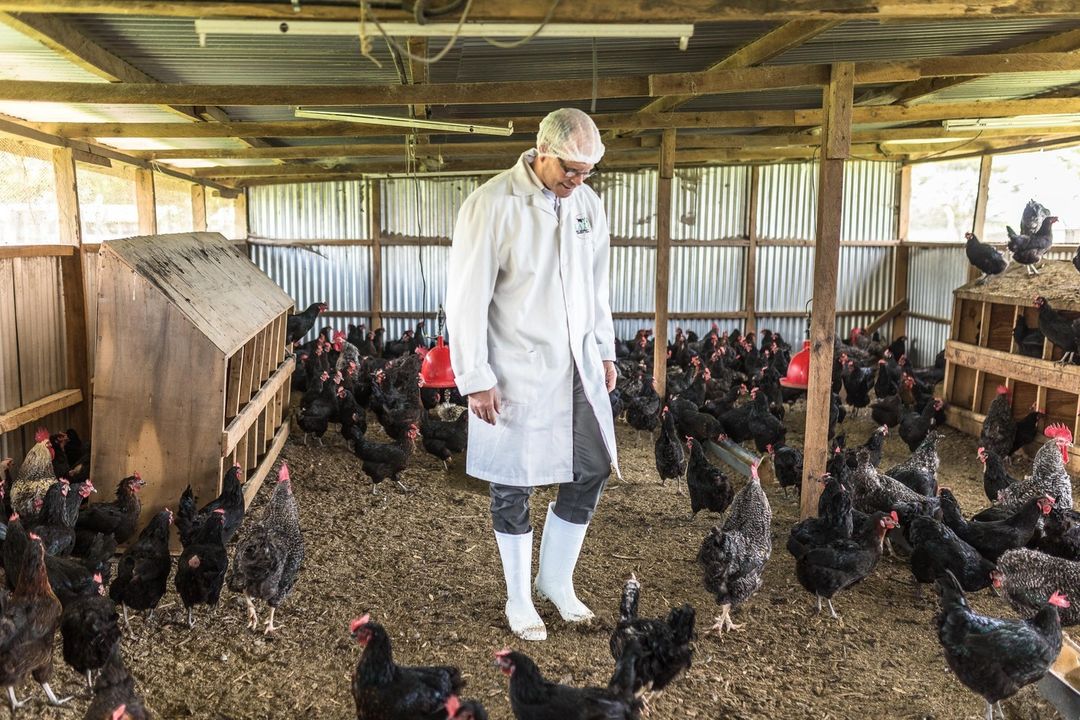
[
  {"x": 485, "y": 405},
  {"x": 609, "y": 375}
]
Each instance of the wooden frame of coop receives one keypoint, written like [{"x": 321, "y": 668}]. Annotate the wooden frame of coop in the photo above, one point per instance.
[
  {"x": 977, "y": 361},
  {"x": 192, "y": 373}
]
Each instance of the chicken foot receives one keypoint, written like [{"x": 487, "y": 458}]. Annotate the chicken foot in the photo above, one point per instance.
[
  {"x": 15, "y": 703},
  {"x": 253, "y": 617},
  {"x": 1065, "y": 359},
  {"x": 723, "y": 622},
  {"x": 270, "y": 626},
  {"x": 53, "y": 700},
  {"x": 190, "y": 618},
  {"x": 127, "y": 623},
  {"x": 831, "y": 608}
]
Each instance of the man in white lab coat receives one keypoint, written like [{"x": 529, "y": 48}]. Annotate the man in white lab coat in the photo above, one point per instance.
[{"x": 532, "y": 347}]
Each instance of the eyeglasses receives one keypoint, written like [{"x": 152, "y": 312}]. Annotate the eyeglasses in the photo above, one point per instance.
[{"x": 573, "y": 172}]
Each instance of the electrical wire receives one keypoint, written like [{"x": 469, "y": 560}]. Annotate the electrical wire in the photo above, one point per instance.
[
  {"x": 519, "y": 43},
  {"x": 365, "y": 12}
]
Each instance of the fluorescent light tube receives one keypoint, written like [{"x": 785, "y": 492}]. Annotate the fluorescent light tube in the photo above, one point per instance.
[
  {"x": 641, "y": 31},
  {"x": 438, "y": 125},
  {"x": 1020, "y": 121}
]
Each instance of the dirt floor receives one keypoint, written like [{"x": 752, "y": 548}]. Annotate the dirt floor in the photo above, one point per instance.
[{"x": 425, "y": 566}]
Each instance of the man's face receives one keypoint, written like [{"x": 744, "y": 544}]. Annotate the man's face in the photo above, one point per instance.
[{"x": 553, "y": 172}]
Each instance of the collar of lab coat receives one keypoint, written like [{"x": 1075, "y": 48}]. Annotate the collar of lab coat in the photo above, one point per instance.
[{"x": 524, "y": 183}]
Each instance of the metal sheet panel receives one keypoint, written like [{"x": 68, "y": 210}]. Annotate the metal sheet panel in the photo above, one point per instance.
[
  {"x": 309, "y": 211},
  {"x": 865, "y": 279},
  {"x": 925, "y": 340},
  {"x": 707, "y": 279},
  {"x": 423, "y": 207},
  {"x": 630, "y": 202},
  {"x": 414, "y": 280},
  {"x": 787, "y": 205},
  {"x": 335, "y": 274},
  {"x": 785, "y": 278},
  {"x": 709, "y": 203},
  {"x": 90, "y": 288},
  {"x": 871, "y": 208},
  {"x": 933, "y": 273},
  {"x": 793, "y": 330},
  {"x": 39, "y": 313},
  {"x": 632, "y": 279},
  {"x": 10, "y": 397}
]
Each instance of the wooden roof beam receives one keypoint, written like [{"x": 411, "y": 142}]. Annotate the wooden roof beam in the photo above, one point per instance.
[
  {"x": 912, "y": 91},
  {"x": 773, "y": 43},
  {"x": 583, "y": 10}
]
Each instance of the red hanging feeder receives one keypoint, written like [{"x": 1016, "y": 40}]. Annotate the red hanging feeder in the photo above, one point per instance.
[
  {"x": 435, "y": 370},
  {"x": 798, "y": 370}
]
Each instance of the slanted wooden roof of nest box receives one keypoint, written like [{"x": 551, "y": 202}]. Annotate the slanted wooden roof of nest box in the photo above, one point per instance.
[
  {"x": 224, "y": 295},
  {"x": 1057, "y": 281}
]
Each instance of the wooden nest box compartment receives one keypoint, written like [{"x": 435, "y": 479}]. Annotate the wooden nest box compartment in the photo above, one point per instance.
[
  {"x": 982, "y": 352},
  {"x": 191, "y": 372}
]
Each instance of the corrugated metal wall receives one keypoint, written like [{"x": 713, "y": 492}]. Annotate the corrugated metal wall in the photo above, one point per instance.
[
  {"x": 708, "y": 203},
  {"x": 414, "y": 280},
  {"x": 336, "y": 274},
  {"x": 630, "y": 203},
  {"x": 933, "y": 272},
  {"x": 309, "y": 211},
  {"x": 423, "y": 207}
]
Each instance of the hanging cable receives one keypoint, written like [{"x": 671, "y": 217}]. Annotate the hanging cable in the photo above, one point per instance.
[
  {"x": 595, "y": 79},
  {"x": 365, "y": 12},
  {"x": 519, "y": 43}
]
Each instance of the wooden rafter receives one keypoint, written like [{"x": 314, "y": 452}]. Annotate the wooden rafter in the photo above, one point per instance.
[
  {"x": 61, "y": 37},
  {"x": 584, "y": 10},
  {"x": 789, "y": 35}
]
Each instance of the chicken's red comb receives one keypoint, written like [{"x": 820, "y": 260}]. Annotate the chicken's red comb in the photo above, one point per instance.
[
  {"x": 503, "y": 653},
  {"x": 1059, "y": 600},
  {"x": 1058, "y": 430},
  {"x": 283, "y": 473},
  {"x": 136, "y": 475},
  {"x": 1002, "y": 390},
  {"x": 894, "y": 516},
  {"x": 452, "y": 706},
  {"x": 359, "y": 622},
  {"x": 97, "y": 578},
  {"x": 41, "y": 435},
  {"x": 35, "y": 536},
  {"x": 220, "y": 510},
  {"x": 14, "y": 517},
  {"x": 119, "y": 712}
]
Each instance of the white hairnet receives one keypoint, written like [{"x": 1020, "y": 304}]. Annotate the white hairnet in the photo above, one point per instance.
[{"x": 570, "y": 134}]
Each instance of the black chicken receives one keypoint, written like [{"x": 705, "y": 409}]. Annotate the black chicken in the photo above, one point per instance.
[
  {"x": 993, "y": 538},
  {"x": 834, "y": 520},
  {"x": 643, "y": 410},
  {"x": 1029, "y": 341},
  {"x": 827, "y": 569},
  {"x": 984, "y": 257},
  {"x": 709, "y": 488},
  {"x": 671, "y": 457},
  {"x": 467, "y": 710},
  {"x": 200, "y": 571},
  {"x": 764, "y": 427},
  {"x": 919, "y": 472},
  {"x": 936, "y": 550},
  {"x": 995, "y": 657},
  {"x": 534, "y": 698},
  {"x": 444, "y": 439},
  {"x": 1028, "y": 249},
  {"x": 1027, "y": 428},
  {"x": 1064, "y": 333},
  {"x": 995, "y": 478},
  {"x": 382, "y": 461},
  {"x": 114, "y": 693},
  {"x": 230, "y": 501},
  {"x": 888, "y": 411},
  {"x": 787, "y": 466},
  {"x": 120, "y": 517},
  {"x": 857, "y": 384},
  {"x": 90, "y": 629},
  {"x": 384, "y": 690},
  {"x": 999, "y": 426},
  {"x": 299, "y": 324},
  {"x": 142, "y": 573},
  {"x": 914, "y": 427},
  {"x": 664, "y": 646}
]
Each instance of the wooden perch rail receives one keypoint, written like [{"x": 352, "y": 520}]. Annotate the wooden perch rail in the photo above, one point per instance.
[
  {"x": 15, "y": 419},
  {"x": 250, "y": 413}
]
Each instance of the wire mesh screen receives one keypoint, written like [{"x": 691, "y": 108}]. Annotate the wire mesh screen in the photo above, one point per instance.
[
  {"x": 106, "y": 205},
  {"x": 173, "y": 198},
  {"x": 28, "y": 213}
]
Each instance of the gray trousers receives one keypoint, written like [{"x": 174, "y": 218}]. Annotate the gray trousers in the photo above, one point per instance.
[{"x": 578, "y": 499}]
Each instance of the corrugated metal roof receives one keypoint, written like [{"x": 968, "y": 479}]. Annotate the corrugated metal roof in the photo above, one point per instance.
[
  {"x": 1004, "y": 86},
  {"x": 791, "y": 99},
  {"x": 877, "y": 40},
  {"x": 168, "y": 50},
  {"x": 22, "y": 58}
]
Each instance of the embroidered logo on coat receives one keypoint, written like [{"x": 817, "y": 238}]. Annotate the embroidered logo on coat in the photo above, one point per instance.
[{"x": 582, "y": 225}]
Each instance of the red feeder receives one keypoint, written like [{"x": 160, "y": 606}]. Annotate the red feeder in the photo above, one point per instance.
[
  {"x": 798, "y": 370},
  {"x": 435, "y": 371}
]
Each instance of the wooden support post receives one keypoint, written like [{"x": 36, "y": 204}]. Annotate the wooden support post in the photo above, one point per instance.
[
  {"x": 145, "y": 201},
  {"x": 981, "y": 196},
  {"x": 375, "y": 230},
  {"x": 750, "y": 290},
  {"x": 198, "y": 208},
  {"x": 73, "y": 277},
  {"x": 836, "y": 146},
  {"x": 240, "y": 221},
  {"x": 663, "y": 258},
  {"x": 902, "y": 256}
]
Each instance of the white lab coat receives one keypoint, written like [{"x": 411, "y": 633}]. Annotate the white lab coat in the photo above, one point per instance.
[{"x": 526, "y": 300}]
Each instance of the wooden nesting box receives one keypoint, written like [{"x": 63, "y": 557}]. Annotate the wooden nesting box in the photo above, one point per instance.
[
  {"x": 191, "y": 372},
  {"x": 981, "y": 353}
]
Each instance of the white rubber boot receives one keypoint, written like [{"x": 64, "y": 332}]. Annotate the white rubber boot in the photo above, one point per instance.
[
  {"x": 559, "y": 550},
  {"x": 516, "y": 554}
]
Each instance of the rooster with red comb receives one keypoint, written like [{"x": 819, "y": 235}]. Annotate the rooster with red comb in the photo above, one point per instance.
[
  {"x": 1048, "y": 474},
  {"x": 34, "y": 477}
]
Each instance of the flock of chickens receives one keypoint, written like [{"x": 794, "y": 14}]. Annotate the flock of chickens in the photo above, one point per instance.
[
  {"x": 58, "y": 549},
  {"x": 1027, "y": 248}
]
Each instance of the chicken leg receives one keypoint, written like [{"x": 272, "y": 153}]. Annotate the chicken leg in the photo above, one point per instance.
[
  {"x": 53, "y": 700},
  {"x": 127, "y": 623},
  {"x": 831, "y": 608},
  {"x": 270, "y": 626},
  {"x": 253, "y": 617},
  {"x": 723, "y": 622},
  {"x": 89, "y": 682},
  {"x": 15, "y": 703},
  {"x": 190, "y": 618}
]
